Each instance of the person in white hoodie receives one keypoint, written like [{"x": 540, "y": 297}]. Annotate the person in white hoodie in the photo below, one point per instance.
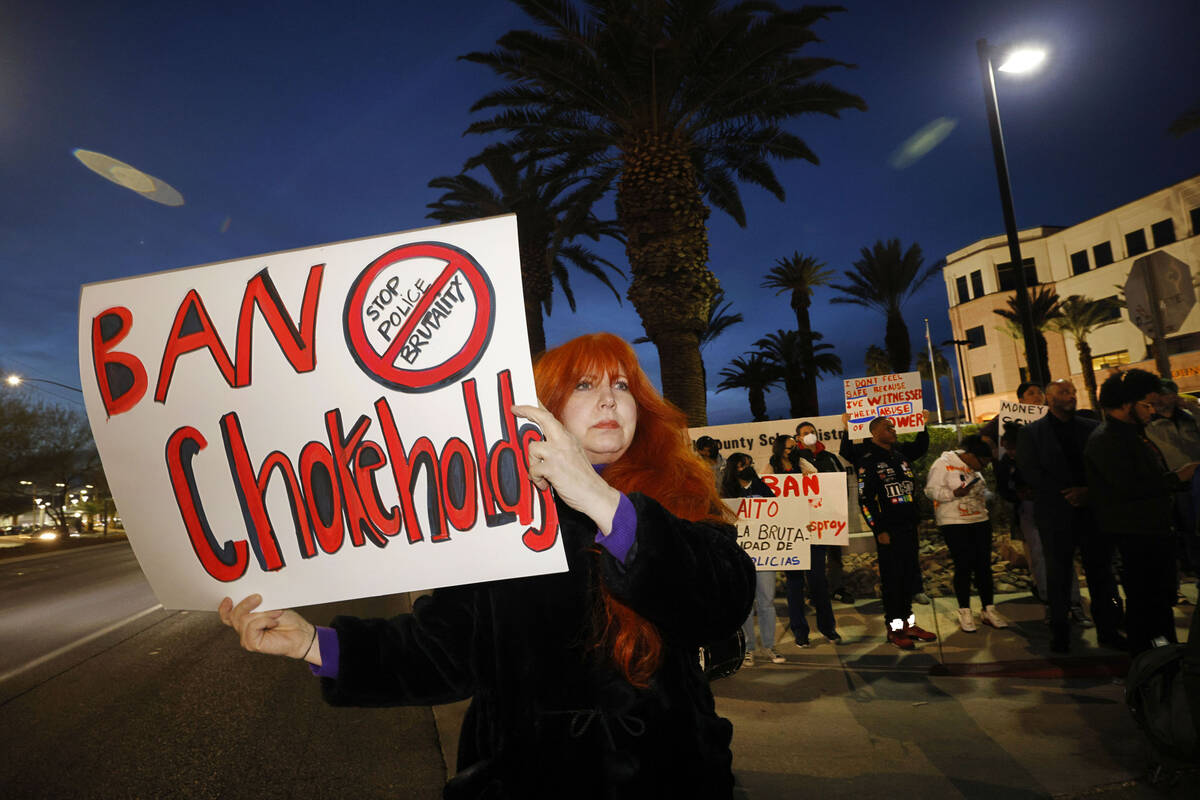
[{"x": 960, "y": 499}]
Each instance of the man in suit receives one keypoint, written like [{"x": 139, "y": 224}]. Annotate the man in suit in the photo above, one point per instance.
[{"x": 1050, "y": 458}]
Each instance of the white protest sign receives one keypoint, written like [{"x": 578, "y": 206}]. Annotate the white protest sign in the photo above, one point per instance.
[
  {"x": 772, "y": 531},
  {"x": 1021, "y": 413},
  {"x": 824, "y": 494},
  {"x": 897, "y": 396},
  {"x": 755, "y": 439},
  {"x": 324, "y": 423}
]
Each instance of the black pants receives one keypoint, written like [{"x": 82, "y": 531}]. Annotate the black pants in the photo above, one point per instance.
[
  {"x": 896, "y": 571},
  {"x": 834, "y": 571},
  {"x": 916, "y": 581},
  {"x": 818, "y": 592},
  {"x": 1147, "y": 572},
  {"x": 1096, "y": 552},
  {"x": 971, "y": 548}
]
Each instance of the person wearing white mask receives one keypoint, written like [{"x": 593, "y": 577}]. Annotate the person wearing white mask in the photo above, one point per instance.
[{"x": 814, "y": 579}]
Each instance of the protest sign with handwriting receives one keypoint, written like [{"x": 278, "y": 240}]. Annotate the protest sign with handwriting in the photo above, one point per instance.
[
  {"x": 324, "y": 423},
  {"x": 897, "y": 396}
]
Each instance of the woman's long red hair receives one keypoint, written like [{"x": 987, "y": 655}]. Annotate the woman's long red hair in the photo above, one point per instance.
[{"x": 659, "y": 463}]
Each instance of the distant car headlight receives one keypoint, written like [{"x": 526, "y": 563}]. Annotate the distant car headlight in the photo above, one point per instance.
[{"x": 48, "y": 535}]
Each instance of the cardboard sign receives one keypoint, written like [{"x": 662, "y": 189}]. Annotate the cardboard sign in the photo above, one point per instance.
[
  {"x": 896, "y": 396},
  {"x": 756, "y": 438},
  {"x": 825, "y": 497},
  {"x": 1022, "y": 413},
  {"x": 322, "y": 424},
  {"x": 772, "y": 531},
  {"x": 806, "y": 509}
]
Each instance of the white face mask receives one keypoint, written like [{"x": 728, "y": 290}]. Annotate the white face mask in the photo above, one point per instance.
[{"x": 809, "y": 439}]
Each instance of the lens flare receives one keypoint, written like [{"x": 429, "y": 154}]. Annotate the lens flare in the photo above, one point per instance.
[
  {"x": 920, "y": 143},
  {"x": 129, "y": 177}
]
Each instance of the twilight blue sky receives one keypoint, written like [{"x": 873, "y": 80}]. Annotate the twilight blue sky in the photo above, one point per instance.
[{"x": 287, "y": 124}]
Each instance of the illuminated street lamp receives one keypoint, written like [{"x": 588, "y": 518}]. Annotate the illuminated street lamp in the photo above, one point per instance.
[
  {"x": 17, "y": 380},
  {"x": 1015, "y": 61}
]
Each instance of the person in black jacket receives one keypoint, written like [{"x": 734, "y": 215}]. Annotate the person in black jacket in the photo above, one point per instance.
[
  {"x": 1050, "y": 458},
  {"x": 1132, "y": 489},
  {"x": 584, "y": 683},
  {"x": 886, "y": 496},
  {"x": 814, "y": 579}
]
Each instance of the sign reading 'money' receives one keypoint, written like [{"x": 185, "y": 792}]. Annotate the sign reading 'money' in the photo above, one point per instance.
[{"x": 324, "y": 423}]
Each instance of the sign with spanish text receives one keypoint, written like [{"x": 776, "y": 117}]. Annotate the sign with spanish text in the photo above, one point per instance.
[
  {"x": 806, "y": 509},
  {"x": 772, "y": 531},
  {"x": 1021, "y": 413},
  {"x": 897, "y": 396},
  {"x": 756, "y": 439},
  {"x": 324, "y": 423}
]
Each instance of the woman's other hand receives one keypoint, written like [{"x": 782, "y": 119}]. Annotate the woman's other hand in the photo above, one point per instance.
[
  {"x": 559, "y": 461},
  {"x": 281, "y": 633}
]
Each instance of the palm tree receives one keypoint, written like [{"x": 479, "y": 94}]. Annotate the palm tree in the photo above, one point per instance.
[
  {"x": 876, "y": 361},
  {"x": 1043, "y": 307},
  {"x": 800, "y": 275},
  {"x": 1078, "y": 317},
  {"x": 550, "y": 214},
  {"x": 754, "y": 374},
  {"x": 883, "y": 279},
  {"x": 719, "y": 320},
  {"x": 797, "y": 357},
  {"x": 672, "y": 103}
]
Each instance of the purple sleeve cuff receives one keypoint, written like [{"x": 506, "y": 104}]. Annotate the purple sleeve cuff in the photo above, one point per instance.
[
  {"x": 327, "y": 641},
  {"x": 623, "y": 536}
]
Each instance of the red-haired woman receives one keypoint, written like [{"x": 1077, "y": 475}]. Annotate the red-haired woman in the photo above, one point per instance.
[{"x": 585, "y": 683}]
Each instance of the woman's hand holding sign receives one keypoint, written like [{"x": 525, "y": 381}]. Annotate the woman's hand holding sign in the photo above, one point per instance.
[
  {"x": 280, "y": 633},
  {"x": 560, "y": 461}
]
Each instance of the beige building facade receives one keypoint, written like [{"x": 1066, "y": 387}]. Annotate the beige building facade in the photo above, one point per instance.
[{"x": 1092, "y": 259}]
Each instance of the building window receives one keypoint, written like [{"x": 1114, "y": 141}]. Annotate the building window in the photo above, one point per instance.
[
  {"x": 1112, "y": 308},
  {"x": 1080, "y": 263},
  {"x": 1110, "y": 360},
  {"x": 975, "y": 337},
  {"x": 1163, "y": 232},
  {"x": 1186, "y": 343},
  {"x": 1195, "y": 215},
  {"x": 1007, "y": 278},
  {"x": 1102, "y": 254},
  {"x": 1135, "y": 242},
  {"x": 960, "y": 285},
  {"x": 983, "y": 384},
  {"x": 977, "y": 283}
]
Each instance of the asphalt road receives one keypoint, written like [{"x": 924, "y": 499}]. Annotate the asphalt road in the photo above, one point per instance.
[{"x": 167, "y": 705}]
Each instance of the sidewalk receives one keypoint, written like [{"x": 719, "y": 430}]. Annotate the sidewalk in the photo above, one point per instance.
[
  {"x": 991, "y": 714},
  {"x": 988, "y": 714}
]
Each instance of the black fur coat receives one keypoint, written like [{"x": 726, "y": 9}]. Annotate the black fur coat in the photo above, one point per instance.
[{"x": 550, "y": 716}]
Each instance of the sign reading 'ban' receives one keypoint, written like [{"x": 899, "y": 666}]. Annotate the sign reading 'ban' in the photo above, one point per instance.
[{"x": 419, "y": 316}]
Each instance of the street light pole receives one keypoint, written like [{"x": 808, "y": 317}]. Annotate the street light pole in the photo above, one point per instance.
[
  {"x": 1024, "y": 311},
  {"x": 17, "y": 380}
]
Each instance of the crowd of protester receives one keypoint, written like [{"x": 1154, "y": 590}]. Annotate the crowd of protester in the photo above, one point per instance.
[{"x": 1112, "y": 486}]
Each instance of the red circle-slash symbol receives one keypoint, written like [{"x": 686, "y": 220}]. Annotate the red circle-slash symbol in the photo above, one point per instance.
[{"x": 381, "y": 367}]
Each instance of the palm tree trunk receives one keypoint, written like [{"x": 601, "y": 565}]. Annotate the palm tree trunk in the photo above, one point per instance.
[
  {"x": 662, "y": 213},
  {"x": 811, "y": 405},
  {"x": 896, "y": 340},
  {"x": 1089, "y": 375},
  {"x": 758, "y": 404},
  {"x": 536, "y": 287}
]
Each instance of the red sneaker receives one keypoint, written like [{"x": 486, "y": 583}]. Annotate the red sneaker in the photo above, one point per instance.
[
  {"x": 900, "y": 639},
  {"x": 917, "y": 632}
]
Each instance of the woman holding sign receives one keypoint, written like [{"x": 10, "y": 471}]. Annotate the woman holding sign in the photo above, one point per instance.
[
  {"x": 583, "y": 683},
  {"x": 740, "y": 480}
]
